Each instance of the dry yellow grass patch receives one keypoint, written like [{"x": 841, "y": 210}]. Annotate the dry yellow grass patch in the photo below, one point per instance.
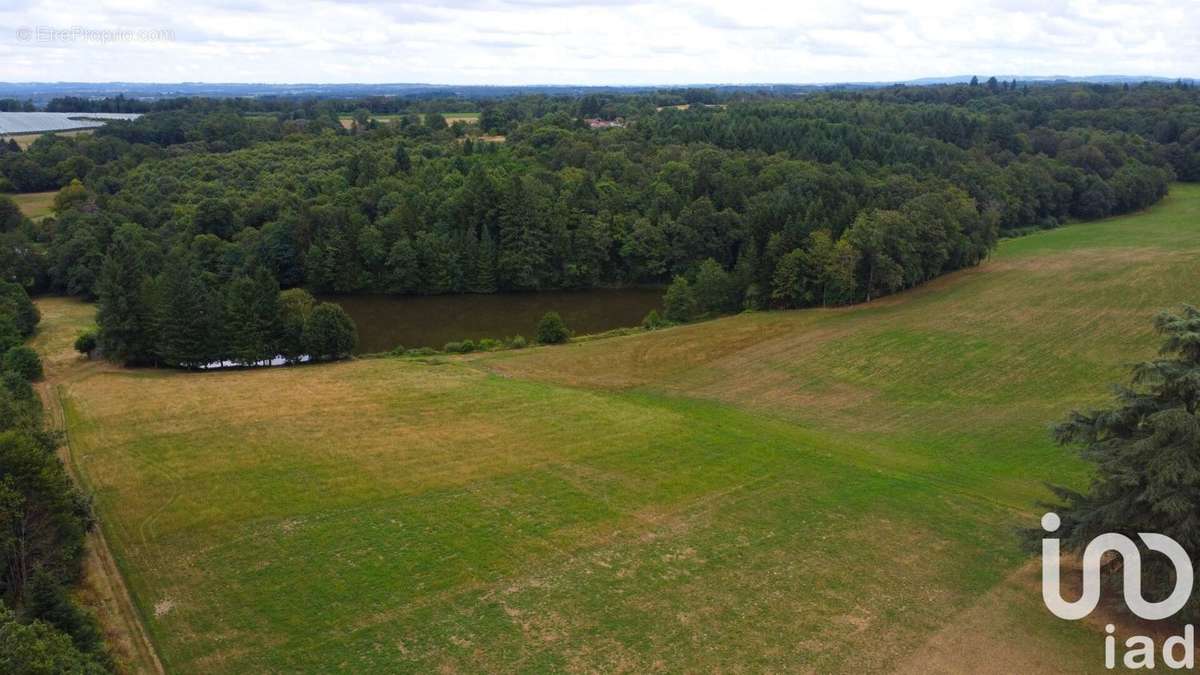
[{"x": 35, "y": 204}]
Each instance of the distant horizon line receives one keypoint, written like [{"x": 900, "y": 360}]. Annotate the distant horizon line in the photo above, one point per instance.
[{"x": 932, "y": 79}]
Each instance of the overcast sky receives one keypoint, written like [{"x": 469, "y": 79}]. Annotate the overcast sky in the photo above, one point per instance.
[{"x": 590, "y": 42}]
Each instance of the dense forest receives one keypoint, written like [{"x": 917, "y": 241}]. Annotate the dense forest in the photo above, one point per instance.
[{"x": 824, "y": 199}]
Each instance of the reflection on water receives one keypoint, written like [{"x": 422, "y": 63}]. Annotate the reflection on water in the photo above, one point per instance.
[{"x": 386, "y": 321}]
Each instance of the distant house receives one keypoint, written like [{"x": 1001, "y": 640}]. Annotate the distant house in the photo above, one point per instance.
[{"x": 597, "y": 123}]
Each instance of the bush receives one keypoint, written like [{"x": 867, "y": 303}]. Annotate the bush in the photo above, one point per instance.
[
  {"x": 17, "y": 386},
  {"x": 552, "y": 330},
  {"x": 421, "y": 351},
  {"x": 517, "y": 342},
  {"x": 85, "y": 342},
  {"x": 329, "y": 333},
  {"x": 453, "y": 347},
  {"x": 23, "y": 361},
  {"x": 653, "y": 321},
  {"x": 488, "y": 345},
  {"x": 10, "y": 335}
]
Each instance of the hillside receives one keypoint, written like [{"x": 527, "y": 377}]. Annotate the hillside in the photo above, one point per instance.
[{"x": 824, "y": 490}]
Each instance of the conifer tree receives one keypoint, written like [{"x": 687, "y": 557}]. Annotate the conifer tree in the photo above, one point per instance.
[
  {"x": 1146, "y": 449},
  {"x": 485, "y": 263},
  {"x": 186, "y": 320},
  {"x": 252, "y": 318},
  {"x": 125, "y": 314}
]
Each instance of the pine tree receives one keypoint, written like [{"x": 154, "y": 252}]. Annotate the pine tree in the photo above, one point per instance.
[
  {"x": 1147, "y": 455},
  {"x": 403, "y": 163},
  {"x": 252, "y": 318},
  {"x": 485, "y": 270},
  {"x": 125, "y": 314},
  {"x": 187, "y": 324}
]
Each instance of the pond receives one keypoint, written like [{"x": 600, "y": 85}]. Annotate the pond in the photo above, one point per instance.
[{"x": 385, "y": 321}]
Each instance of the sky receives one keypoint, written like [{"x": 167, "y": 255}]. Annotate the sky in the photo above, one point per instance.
[{"x": 590, "y": 41}]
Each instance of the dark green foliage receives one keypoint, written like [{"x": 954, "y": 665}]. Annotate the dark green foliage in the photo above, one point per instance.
[
  {"x": 24, "y": 362},
  {"x": 679, "y": 303},
  {"x": 47, "y": 600},
  {"x": 10, "y": 334},
  {"x": 329, "y": 333},
  {"x": 295, "y": 306},
  {"x": 189, "y": 317},
  {"x": 19, "y": 407},
  {"x": 37, "y": 648},
  {"x": 552, "y": 330},
  {"x": 517, "y": 342},
  {"x": 15, "y": 303},
  {"x": 1146, "y": 450},
  {"x": 464, "y": 347},
  {"x": 10, "y": 214},
  {"x": 714, "y": 289},
  {"x": 653, "y": 320},
  {"x": 126, "y": 307},
  {"x": 43, "y": 519},
  {"x": 85, "y": 342},
  {"x": 252, "y": 319},
  {"x": 855, "y": 194}
]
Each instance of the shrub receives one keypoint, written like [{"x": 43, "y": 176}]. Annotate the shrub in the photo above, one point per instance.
[
  {"x": 453, "y": 347},
  {"x": 85, "y": 342},
  {"x": 23, "y": 361},
  {"x": 488, "y": 344},
  {"x": 10, "y": 335},
  {"x": 421, "y": 351},
  {"x": 16, "y": 385},
  {"x": 468, "y": 346},
  {"x": 552, "y": 330},
  {"x": 679, "y": 304},
  {"x": 653, "y": 321},
  {"x": 517, "y": 342}
]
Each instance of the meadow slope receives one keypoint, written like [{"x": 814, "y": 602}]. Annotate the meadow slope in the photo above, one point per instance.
[{"x": 820, "y": 490}]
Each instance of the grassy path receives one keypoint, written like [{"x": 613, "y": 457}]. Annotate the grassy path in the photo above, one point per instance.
[
  {"x": 104, "y": 590},
  {"x": 822, "y": 490}
]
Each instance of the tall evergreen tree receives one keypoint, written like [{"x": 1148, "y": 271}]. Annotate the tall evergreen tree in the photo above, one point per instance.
[
  {"x": 1146, "y": 450},
  {"x": 188, "y": 326},
  {"x": 252, "y": 318},
  {"x": 125, "y": 314}
]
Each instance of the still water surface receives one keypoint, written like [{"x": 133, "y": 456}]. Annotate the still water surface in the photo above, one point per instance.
[{"x": 385, "y": 321}]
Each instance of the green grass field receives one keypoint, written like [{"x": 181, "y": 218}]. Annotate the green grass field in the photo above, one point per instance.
[
  {"x": 35, "y": 204},
  {"x": 820, "y": 490}
]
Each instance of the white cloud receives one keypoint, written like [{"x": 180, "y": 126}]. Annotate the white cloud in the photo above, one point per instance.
[{"x": 598, "y": 42}]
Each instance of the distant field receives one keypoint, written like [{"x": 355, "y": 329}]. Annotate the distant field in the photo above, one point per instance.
[
  {"x": 818, "y": 490},
  {"x": 451, "y": 117},
  {"x": 26, "y": 140},
  {"x": 35, "y": 204}
]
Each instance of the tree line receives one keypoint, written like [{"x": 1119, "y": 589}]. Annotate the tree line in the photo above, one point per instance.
[
  {"x": 171, "y": 312},
  {"x": 44, "y": 520},
  {"x": 825, "y": 199}
]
